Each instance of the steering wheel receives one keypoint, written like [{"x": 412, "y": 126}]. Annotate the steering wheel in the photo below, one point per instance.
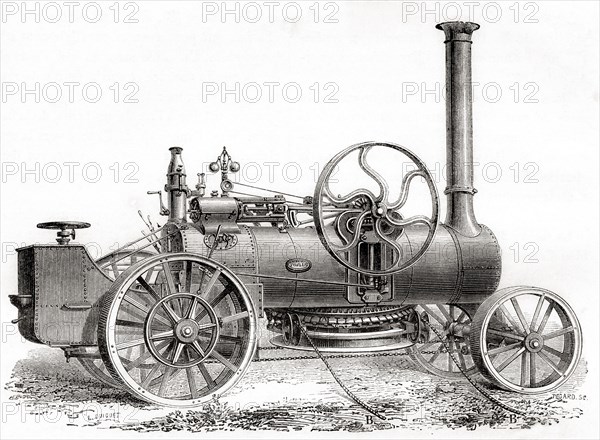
[
  {"x": 63, "y": 235},
  {"x": 366, "y": 217}
]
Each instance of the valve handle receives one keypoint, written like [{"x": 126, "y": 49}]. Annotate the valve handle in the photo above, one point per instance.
[{"x": 163, "y": 208}]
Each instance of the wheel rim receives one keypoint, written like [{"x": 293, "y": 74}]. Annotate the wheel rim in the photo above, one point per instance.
[
  {"x": 96, "y": 368},
  {"x": 433, "y": 355},
  {"x": 530, "y": 340},
  {"x": 180, "y": 329}
]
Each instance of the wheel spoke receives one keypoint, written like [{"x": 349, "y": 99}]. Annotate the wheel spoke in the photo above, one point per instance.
[
  {"x": 188, "y": 276},
  {"x": 128, "y": 323},
  {"x": 192, "y": 308},
  {"x": 536, "y": 314},
  {"x": 389, "y": 241},
  {"x": 219, "y": 357},
  {"x": 198, "y": 348},
  {"x": 145, "y": 355},
  {"x": 165, "y": 379},
  {"x": 546, "y": 316},
  {"x": 177, "y": 352},
  {"x": 558, "y": 333},
  {"x": 162, "y": 335},
  {"x": 115, "y": 268},
  {"x": 551, "y": 364},
  {"x": 211, "y": 282},
  {"x": 174, "y": 317},
  {"x": 215, "y": 301},
  {"x": 207, "y": 377},
  {"x": 409, "y": 221},
  {"x": 433, "y": 315},
  {"x": 404, "y": 186},
  {"x": 462, "y": 315},
  {"x": 520, "y": 315},
  {"x": 205, "y": 326},
  {"x": 226, "y": 338},
  {"x": 435, "y": 355},
  {"x": 532, "y": 369},
  {"x": 362, "y": 162},
  {"x": 356, "y": 236},
  {"x": 510, "y": 318},
  {"x": 132, "y": 343},
  {"x": 149, "y": 274},
  {"x": 235, "y": 317},
  {"x": 504, "y": 348},
  {"x": 169, "y": 277},
  {"x": 192, "y": 382},
  {"x": 447, "y": 315},
  {"x": 148, "y": 379},
  {"x": 494, "y": 331},
  {"x": 553, "y": 351},
  {"x": 524, "y": 358},
  {"x": 463, "y": 363},
  {"x": 148, "y": 288},
  {"x": 136, "y": 304},
  {"x": 510, "y": 360},
  {"x": 365, "y": 193}
]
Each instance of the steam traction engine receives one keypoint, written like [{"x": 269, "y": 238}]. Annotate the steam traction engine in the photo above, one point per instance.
[{"x": 173, "y": 316}]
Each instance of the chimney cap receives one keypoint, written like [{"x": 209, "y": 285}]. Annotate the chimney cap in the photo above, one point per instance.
[{"x": 458, "y": 30}]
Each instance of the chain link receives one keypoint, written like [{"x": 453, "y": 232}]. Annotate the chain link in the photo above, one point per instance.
[
  {"x": 478, "y": 387},
  {"x": 404, "y": 353},
  {"x": 333, "y": 356},
  {"x": 337, "y": 379}
]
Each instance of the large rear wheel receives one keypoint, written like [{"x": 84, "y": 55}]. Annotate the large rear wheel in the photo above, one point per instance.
[{"x": 177, "y": 329}]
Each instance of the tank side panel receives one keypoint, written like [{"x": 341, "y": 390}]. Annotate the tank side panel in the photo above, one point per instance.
[
  {"x": 456, "y": 269},
  {"x": 434, "y": 277},
  {"x": 275, "y": 248},
  {"x": 67, "y": 291},
  {"x": 482, "y": 266}
]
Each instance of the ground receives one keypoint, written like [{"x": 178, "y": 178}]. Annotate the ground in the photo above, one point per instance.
[{"x": 289, "y": 395}]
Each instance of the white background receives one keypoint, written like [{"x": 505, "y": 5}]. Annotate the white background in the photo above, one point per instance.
[{"x": 373, "y": 53}]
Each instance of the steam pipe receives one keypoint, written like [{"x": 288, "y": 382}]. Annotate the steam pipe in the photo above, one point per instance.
[{"x": 459, "y": 128}]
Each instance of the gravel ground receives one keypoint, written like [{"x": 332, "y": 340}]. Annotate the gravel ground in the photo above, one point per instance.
[{"x": 288, "y": 396}]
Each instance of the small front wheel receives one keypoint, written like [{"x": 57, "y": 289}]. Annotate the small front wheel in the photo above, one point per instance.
[{"x": 526, "y": 339}]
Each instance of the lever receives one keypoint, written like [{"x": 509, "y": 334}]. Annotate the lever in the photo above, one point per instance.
[{"x": 163, "y": 209}]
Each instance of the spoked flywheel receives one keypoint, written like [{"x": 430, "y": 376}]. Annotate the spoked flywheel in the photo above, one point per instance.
[
  {"x": 526, "y": 339},
  {"x": 435, "y": 354},
  {"x": 177, "y": 329}
]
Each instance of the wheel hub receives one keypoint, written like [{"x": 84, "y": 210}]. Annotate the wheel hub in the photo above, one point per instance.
[
  {"x": 193, "y": 337},
  {"x": 186, "y": 331},
  {"x": 379, "y": 210},
  {"x": 533, "y": 342}
]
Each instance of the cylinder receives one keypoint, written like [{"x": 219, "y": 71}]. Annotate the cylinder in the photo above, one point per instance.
[
  {"x": 459, "y": 128},
  {"x": 176, "y": 187}
]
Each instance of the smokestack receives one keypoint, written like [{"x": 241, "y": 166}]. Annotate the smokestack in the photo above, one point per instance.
[{"x": 459, "y": 127}]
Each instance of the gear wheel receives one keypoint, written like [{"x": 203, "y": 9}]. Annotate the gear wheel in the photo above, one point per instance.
[{"x": 341, "y": 317}]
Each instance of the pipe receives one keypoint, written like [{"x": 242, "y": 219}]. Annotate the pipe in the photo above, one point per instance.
[{"x": 459, "y": 128}]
